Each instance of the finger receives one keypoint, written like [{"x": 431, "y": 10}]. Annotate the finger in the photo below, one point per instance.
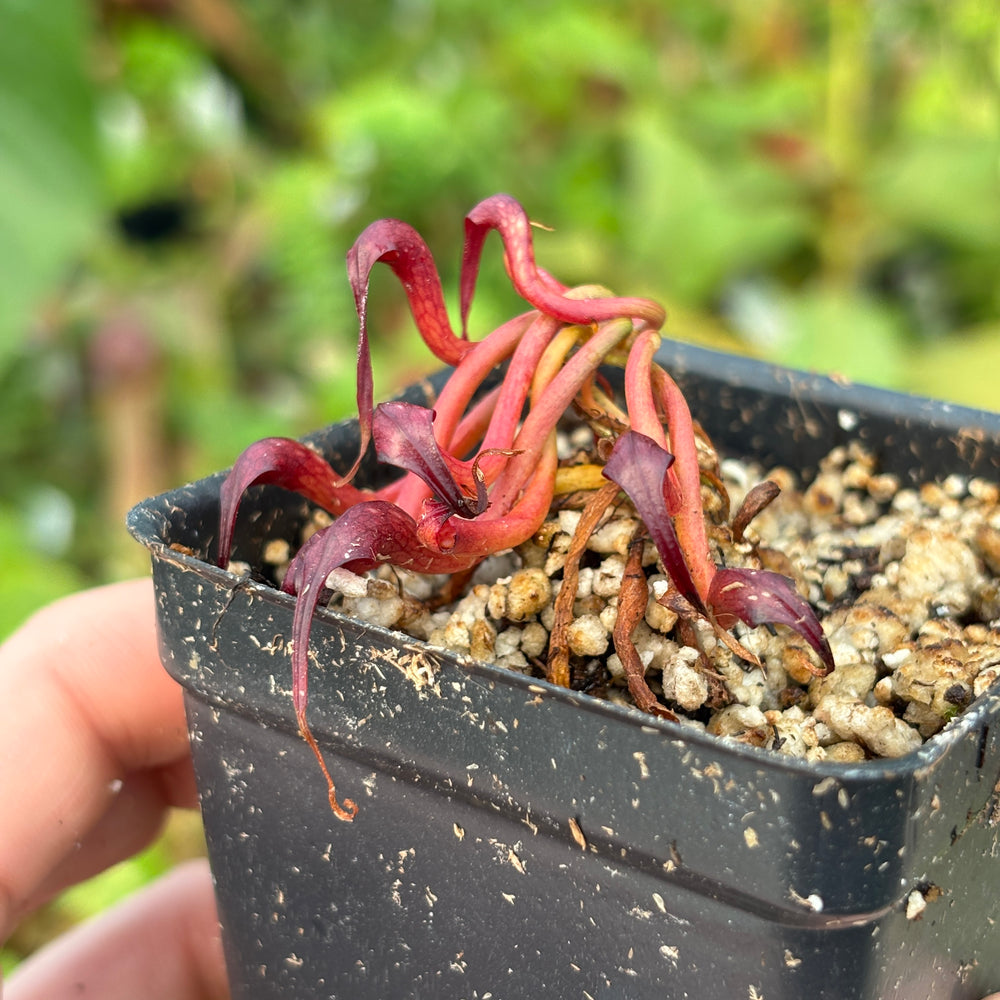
[
  {"x": 85, "y": 706},
  {"x": 161, "y": 944},
  {"x": 131, "y": 823}
]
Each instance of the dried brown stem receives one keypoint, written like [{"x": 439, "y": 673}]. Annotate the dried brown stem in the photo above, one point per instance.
[
  {"x": 712, "y": 479},
  {"x": 632, "y": 600},
  {"x": 345, "y": 811},
  {"x": 753, "y": 503},
  {"x": 557, "y": 668}
]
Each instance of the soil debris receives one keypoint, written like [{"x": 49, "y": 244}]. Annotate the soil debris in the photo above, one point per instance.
[{"x": 905, "y": 581}]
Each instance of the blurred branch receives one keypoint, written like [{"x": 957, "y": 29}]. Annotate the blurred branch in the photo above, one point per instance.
[
  {"x": 847, "y": 117},
  {"x": 127, "y": 375}
]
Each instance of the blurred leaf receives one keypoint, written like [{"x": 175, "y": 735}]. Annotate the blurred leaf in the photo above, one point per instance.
[
  {"x": 168, "y": 107},
  {"x": 695, "y": 223},
  {"x": 948, "y": 186},
  {"x": 850, "y": 335},
  {"x": 301, "y": 202},
  {"x": 571, "y": 47},
  {"x": 8, "y": 960},
  {"x": 963, "y": 368},
  {"x": 29, "y": 579},
  {"x": 410, "y": 144},
  {"x": 50, "y": 190}
]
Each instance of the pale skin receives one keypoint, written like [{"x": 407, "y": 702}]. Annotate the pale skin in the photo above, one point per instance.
[
  {"x": 87, "y": 705},
  {"x": 93, "y": 753}
]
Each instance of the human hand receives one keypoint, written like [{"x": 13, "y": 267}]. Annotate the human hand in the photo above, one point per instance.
[{"x": 93, "y": 752}]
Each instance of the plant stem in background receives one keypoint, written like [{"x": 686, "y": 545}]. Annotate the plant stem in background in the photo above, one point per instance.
[{"x": 845, "y": 239}]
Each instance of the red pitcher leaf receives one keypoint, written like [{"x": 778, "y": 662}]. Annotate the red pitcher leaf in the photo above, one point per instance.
[
  {"x": 684, "y": 480},
  {"x": 401, "y": 247},
  {"x": 349, "y": 542},
  {"x": 640, "y": 402},
  {"x": 373, "y": 533},
  {"x": 370, "y": 534},
  {"x": 472, "y": 539},
  {"x": 497, "y": 444},
  {"x": 682, "y": 443},
  {"x": 761, "y": 597},
  {"x": 287, "y": 463},
  {"x": 504, "y": 214},
  {"x": 413, "y": 491},
  {"x": 460, "y": 421},
  {"x": 474, "y": 369},
  {"x": 517, "y": 382},
  {"x": 365, "y": 536},
  {"x": 306, "y": 577},
  {"x": 479, "y": 471},
  {"x": 404, "y": 437},
  {"x": 639, "y": 466},
  {"x": 354, "y": 541},
  {"x": 550, "y": 399}
]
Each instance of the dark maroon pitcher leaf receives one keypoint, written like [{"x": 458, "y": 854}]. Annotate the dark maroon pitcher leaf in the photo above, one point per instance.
[
  {"x": 363, "y": 537},
  {"x": 367, "y": 535},
  {"x": 335, "y": 546},
  {"x": 287, "y": 463},
  {"x": 761, "y": 597},
  {"x": 639, "y": 466},
  {"x": 401, "y": 247},
  {"x": 404, "y": 437}
]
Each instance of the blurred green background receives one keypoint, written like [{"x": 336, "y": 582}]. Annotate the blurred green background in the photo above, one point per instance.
[{"x": 815, "y": 184}]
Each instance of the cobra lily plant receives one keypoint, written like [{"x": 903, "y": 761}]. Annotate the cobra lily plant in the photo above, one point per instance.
[{"x": 478, "y": 473}]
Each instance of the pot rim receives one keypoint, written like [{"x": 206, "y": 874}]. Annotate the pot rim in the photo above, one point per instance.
[
  {"x": 924, "y": 757},
  {"x": 961, "y": 430}
]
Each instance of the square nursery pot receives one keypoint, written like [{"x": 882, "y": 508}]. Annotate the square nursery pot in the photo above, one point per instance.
[{"x": 517, "y": 840}]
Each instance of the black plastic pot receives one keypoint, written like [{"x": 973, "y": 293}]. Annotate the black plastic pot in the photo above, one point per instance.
[{"x": 515, "y": 840}]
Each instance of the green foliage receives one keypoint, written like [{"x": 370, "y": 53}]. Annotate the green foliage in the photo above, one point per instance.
[
  {"x": 723, "y": 220},
  {"x": 970, "y": 359},
  {"x": 50, "y": 183},
  {"x": 31, "y": 577},
  {"x": 849, "y": 334}
]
